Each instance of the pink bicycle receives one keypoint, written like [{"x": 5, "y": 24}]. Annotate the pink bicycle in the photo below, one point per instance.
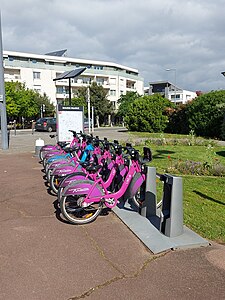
[
  {"x": 83, "y": 201},
  {"x": 110, "y": 168},
  {"x": 59, "y": 146}
]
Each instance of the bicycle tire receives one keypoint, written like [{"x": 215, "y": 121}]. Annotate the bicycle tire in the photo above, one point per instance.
[
  {"x": 75, "y": 213},
  {"x": 41, "y": 155},
  {"x": 48, "y": 174},
  {"x": 137, "y": 200},
  {"x": 54, "y": 183}
]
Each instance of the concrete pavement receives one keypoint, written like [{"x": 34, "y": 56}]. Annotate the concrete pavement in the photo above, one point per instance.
[{"x": 43, "y": 257}]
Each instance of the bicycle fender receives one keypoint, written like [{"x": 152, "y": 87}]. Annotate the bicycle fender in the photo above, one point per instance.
[
  {"x": 56, "y": 157},
  {"x": 73, "y": 179},
  {"x": 63, "y": 170},
  {"x": 50, "y": 154},
  {"x": 48, "y": 148},
  {"x": 83, "y": 187},
  {"x": 59, "y": 162},
  {"x": 135, "y": 183}
]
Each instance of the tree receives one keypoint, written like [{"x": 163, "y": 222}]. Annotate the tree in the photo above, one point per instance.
[
  {"x": 22, "y": 102},
  {"x": 148, "y": 113},
  {"x": 205, "y": 114},
  {"x": 40, "y": 100},
  {"x": 80, "y": 102},
  {"x": 178, "y": 121},
  {"x": 98, "y": 99},
  {"x": 125, "y": 101}
]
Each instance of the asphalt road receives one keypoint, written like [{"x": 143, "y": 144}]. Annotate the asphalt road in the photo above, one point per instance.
[{"x": 25, "y": 141}]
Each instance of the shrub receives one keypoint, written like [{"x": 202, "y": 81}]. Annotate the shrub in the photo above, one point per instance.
[
  {"x": 148, "y": 114},
  {"x": 222, "y": 135},
  {"x": 205, "y": 114}
]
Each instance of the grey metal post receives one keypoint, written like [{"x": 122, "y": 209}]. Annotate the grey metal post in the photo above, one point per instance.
[
  {"x": 148, "y": 208},
  {"x": 4, "y": 134},
  {"x": 172, "y": 206},
  {"x": 92, "y": 116},
  {"x": 69, "y": 91},
  {"x": 89, "y": 109}
]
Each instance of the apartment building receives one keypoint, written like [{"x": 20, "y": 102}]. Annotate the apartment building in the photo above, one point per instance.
[
  {"x": 170, "y": 91},
  {"x": 38, "y": 72}
]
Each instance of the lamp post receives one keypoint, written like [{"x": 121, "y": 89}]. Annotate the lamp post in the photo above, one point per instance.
[
  {"x": 175, "y": 82},
  {"x": 3, "y": 114}
]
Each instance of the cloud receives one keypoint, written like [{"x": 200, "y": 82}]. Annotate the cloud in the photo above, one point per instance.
[{"x": 148, "y": 35}]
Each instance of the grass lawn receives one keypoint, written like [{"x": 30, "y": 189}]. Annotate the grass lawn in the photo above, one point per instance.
[
  {"x": 204, "y": 206},
  {"x": 204, "y": 196},
  {"x": 165, "y": 155}
]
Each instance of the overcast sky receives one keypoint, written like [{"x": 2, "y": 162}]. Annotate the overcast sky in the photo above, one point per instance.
[{"x": 150, "y": 35}]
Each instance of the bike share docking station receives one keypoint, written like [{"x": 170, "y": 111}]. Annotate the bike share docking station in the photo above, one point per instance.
[{"x": 161, "y": 228}]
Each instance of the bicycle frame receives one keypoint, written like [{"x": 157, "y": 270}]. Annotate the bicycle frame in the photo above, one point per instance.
[
  {"x": 47, "y": 148},
  {"x": 110, "y": 199},
  {"x": 95, "y": 176}
]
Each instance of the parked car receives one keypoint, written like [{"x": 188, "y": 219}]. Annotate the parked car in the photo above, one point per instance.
[
  {"x": 86, "y": 123},
  {"x": 46, "y": 124}
]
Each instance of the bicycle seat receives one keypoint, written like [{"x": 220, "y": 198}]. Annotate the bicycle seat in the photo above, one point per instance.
[
  {"x": 69, "y": 150},
  {"x": 73, "y": 132},
  {"x": 84, "y": 164},
  {"x": 62, "y": 144}
]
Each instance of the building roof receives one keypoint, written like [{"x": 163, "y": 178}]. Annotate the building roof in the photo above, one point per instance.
[
  {"x": 57, "y": 53},
  {"x": 63, "y": 59}
]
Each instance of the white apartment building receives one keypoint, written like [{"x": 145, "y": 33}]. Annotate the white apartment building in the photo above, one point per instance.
[
  {"x": 170, "y": 91},
  {"x": 38, "y": 72}
]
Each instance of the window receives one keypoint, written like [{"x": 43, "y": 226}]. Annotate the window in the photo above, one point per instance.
[
  {"x": 100, "y": 81},
  {"x": 82, "y": 79},
  {"x": 36, "y": 75},
  {"x": 37, "y": 88},
  {"x": 177, "y": 96},
  {"x": 121, "y": 82},
  {"x": 112, "y": 81},
  {"x": 60, "y": 90},
  {"x": 113, "y": 104},
  {"x": 98, "y": 67},
  {"x": 112, "y": 92}
]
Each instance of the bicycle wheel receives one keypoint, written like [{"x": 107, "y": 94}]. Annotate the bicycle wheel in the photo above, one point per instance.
[
  {"x": 72, "y": 209},
  {"x": 139, "y": 198},
  {"x": 48, "y": 174},
  {"x": 41, "y": 155},
  {"x": 54, "y": 183},
  {"x": 46, "y": 167}
]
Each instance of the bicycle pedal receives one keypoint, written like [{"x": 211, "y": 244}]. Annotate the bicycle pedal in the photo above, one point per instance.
[{"x": 88, "y": 216}]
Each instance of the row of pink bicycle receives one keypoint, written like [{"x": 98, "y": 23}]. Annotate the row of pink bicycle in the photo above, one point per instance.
[{"x": 91, "y": 174}]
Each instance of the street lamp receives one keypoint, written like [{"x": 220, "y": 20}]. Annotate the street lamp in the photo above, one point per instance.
[
  {"x": 3, "y": 114},
  {"x": 175, "y": 82}
]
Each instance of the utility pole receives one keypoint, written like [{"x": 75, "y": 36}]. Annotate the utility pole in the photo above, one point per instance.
[
  {"x": 92, "y": 117},
  {"x": 4, "y": 133},
  {"x": 175, "y": 83}
]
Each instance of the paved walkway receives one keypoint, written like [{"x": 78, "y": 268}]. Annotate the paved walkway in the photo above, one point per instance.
[{"x": 43, "y": 257}]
